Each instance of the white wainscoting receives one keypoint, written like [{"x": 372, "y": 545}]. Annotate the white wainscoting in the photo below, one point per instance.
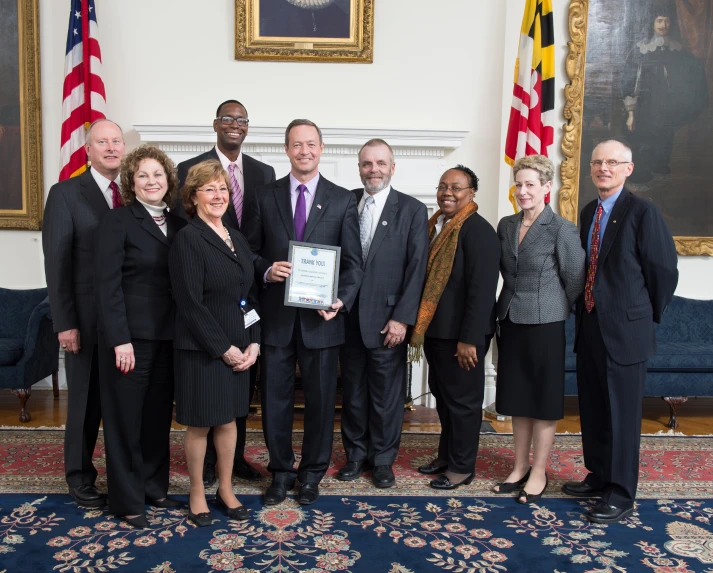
[{"x": 419, "y": 156}]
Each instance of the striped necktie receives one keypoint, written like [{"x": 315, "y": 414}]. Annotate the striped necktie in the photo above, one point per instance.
[
  {"x": 593, "y": 258},
  {"x": 237, "y": 193}
]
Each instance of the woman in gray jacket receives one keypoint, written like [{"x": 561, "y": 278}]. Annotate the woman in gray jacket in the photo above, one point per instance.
[{"x": 542, "y": 264}]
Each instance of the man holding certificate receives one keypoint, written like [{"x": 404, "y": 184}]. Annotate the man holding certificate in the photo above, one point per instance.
[
  {"x": 310, "y": 221},
  {"x": 394, "y": 239}
]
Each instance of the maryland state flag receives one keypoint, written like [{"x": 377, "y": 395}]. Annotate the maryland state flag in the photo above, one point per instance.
[{"x": 531, "y": 127}]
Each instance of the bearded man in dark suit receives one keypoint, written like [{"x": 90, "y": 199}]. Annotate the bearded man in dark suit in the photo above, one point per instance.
[
  {"x": 394, "y": 237},
  {"x": 72, "y": 214},
  {"x": 631, "y": 277},
  {"x": 247, "y": 175}
]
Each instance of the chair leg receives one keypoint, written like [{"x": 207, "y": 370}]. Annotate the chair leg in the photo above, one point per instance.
[
  {"x": 673, "y": 403},
  {"x": 23, "y": 394},
  {"x": 55, "y": 385}
]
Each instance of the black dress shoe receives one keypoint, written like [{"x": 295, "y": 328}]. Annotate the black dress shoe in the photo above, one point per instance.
[
  {"x": 277, "y": 492},
  {"x": 510, "y": 486},
  {"x": 383, "y": 476},
  {"x": 165, "y": 503},
  {"x": 351, "y": 471},
  {"x": 605, "y": 513},
  {"x": 209, "y": 477},
  {"x": 139, "y": 522},
  {"x": 309, "y": 493},
  {"x": 241, "y": 513},
  {"x": 87, "y": 496},
  {"x": 243, "y": 470},
  {"x": 442, "y": 482},
  {"x": 581, "y": 489},
  {"x": 532, "y": 497},
  {"x": 433, "y": 468},
  {"x": 200, "y": 519}
]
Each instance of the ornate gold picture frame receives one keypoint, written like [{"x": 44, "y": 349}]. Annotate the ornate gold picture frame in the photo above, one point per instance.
[
  {"x": 619, "y": 35},
  {"x": 21, "y": 194},
  {"x": 305, "y": 30}
]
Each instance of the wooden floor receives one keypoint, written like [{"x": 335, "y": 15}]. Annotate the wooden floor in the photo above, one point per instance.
[{"x": 695, "y": 416}]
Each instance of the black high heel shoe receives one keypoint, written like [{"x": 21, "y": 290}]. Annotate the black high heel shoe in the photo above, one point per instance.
[
  {"x": 510, "y": 486},
  {"x": 532, "y": 497},
  {"x": 200, "y": 519},
  {"x": 442, "y": 482},
  {"x": 240, "y": 513}
]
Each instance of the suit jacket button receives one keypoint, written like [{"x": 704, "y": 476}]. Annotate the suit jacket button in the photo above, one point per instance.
[{"x": 241, "y": 284}]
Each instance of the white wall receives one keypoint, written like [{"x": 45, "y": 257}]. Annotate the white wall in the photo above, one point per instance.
[{"x": 448, "y": 68}]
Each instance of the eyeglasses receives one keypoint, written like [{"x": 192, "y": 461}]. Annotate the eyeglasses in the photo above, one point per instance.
[
  {"x": 444, "y": 188},
  {"x": 218, "y": 191},
  {"x": 228, "y": 120},
  {"x": 608, "y": 162}
]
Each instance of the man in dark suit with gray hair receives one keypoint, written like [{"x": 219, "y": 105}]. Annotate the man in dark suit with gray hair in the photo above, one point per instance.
[
  {"x": 394, "y": 239},
  {"x": 72, "y": 214},
  {"x": 631, "y": 277}
]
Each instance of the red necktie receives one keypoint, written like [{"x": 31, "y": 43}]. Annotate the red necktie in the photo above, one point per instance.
[
  {"x": 593, "y": 258},
  {"x": 115, "y": 196}
]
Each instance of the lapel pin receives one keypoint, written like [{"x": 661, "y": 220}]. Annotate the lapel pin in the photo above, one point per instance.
[
  {"x": 384, "y": 223},
  {"x": 614, "y": 221},
  {"x": 319, "y": 206}
]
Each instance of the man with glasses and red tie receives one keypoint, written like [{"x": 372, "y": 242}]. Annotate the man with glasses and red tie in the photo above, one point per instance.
[
  {"x": 631, "y": 275},
  {"x": 247, "y": 176},
  {"x": 304, "y": 206}
]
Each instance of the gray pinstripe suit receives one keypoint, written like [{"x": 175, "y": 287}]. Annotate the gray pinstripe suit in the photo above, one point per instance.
[
  {"x": 544, "y": 275},
  {"x": 394, "y": 271}
]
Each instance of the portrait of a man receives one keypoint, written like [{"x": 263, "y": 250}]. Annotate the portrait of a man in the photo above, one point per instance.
[
  {"x": 10, "y": 138},
  {"x": 305, "y": 18},
  {"x": 649, "y": 82}
]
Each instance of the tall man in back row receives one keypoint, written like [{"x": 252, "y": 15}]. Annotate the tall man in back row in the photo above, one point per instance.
[
  {"x": 394, "y": 240},
  {"x": 247, "y": 175},
  {"x": 304, "y": 206},
  {"x": 631, "y": 276}
]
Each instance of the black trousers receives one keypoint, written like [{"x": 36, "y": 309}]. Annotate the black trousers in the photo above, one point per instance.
[
  {"x": 373, "y": 405},
  {"x": 137, "y": 408},
  {"x": 84, "y": 415},
  {"x": 277, "y": 386},
  {"x": 459, "y": 402},
  {"x": 211, "y": 457},
  {"x": 610, "y": 398}
]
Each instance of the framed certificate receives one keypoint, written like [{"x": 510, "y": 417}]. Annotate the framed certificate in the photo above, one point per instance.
[{"x": 315, "y": 275}]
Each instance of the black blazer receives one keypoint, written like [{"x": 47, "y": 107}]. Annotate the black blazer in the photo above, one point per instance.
[
  {"x": 636, "y": 276},
  {"x": 269, "y": 226},
  {"x": 72, "y": 213},
  {"x": 466, "y": 311},
  {"x": 131, "y": 275},
  {"x": 208, "y": 282},
  {"x": 255, "y": 175},
  {"x": 394, "y": 269}
]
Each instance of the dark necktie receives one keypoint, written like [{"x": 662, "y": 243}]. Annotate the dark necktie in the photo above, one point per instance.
[
  {"x": 593, "y": 258},
  {"x": 115, "y": 195},
  {"x": 300, "y": 213}
]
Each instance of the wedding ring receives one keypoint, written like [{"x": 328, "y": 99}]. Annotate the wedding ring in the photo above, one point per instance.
[
  {"x": 122, "y": 359},
  {"x": 64, "y": 346}
]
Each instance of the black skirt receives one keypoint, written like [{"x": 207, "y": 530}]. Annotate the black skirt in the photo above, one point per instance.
[
  {"x": 530, "y": 380},
  {"x": 208, "y": 392}
]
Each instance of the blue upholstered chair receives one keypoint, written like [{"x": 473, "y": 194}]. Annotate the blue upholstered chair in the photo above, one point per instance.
[{"x": 29, "y": 349}]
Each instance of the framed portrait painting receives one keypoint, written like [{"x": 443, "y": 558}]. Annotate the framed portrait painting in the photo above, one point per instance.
[
  {"x": 304, "y": 30},
  {"x": 21, "y": 197},
  {"x": 642, "y": 72}
]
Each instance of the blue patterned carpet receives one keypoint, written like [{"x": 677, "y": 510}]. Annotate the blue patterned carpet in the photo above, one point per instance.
[{"x": 359, "y": 534}]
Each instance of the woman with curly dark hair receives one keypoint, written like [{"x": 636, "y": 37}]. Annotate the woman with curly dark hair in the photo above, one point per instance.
[{"x": 136, "y": 319}]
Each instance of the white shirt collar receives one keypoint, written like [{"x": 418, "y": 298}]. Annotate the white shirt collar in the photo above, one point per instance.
[
  {"x": 379, "y": 199},
  {"x": 225, "y": 162},
  {"x": 101, "y": 181}
]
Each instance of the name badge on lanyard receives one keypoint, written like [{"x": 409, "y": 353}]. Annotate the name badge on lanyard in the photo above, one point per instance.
[{"x": 250, "y": 316}]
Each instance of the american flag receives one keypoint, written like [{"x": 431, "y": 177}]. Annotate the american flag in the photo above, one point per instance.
[
  {"x": 83, "y": 98},
  {"x": 531, "y": 130}
]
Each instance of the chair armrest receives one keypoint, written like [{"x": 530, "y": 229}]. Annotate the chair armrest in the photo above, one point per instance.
[{"x": 40, "y": 312}]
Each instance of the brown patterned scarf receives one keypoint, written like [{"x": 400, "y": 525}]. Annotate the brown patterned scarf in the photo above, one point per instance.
[{"x": 441, "y": 255}]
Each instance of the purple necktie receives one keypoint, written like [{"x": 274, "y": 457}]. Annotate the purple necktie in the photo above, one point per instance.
[{"x": 300, "y": 213}]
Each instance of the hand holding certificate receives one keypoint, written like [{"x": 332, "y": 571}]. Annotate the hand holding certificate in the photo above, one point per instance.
[{"x": 314, "y": 280}]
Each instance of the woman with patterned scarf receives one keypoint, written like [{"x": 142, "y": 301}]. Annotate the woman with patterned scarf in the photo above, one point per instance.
[{"x": 456, "y": 321}]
